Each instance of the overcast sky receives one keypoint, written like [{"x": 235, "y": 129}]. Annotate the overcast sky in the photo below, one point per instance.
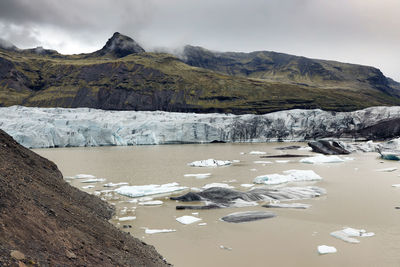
[{"x": 357, "y": 31}]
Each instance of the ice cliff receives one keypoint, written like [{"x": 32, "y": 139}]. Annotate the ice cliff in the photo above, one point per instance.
[{"x": 60, "y": 127}]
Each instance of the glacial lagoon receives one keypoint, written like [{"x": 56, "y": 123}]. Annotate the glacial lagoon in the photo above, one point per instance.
[{"x": 359, "y": 195}]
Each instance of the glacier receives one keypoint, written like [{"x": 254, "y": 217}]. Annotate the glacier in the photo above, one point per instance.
[{"x": 62, "y": 127}]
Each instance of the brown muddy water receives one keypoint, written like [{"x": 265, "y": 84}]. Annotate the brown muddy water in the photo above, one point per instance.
[{"x": 358, "y": 196}]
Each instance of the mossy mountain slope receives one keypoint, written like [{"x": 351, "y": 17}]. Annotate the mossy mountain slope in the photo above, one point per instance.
[
  {"x": 279, "y": 67},
  {"x": 122, "y": 76}
]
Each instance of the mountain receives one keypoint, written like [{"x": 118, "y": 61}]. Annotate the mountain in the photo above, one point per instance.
[
  {"x": 279, "y": 67},
  {"x": 122, "y": 76}
]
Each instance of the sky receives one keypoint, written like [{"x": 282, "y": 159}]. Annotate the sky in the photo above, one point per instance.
[{"x": 365, "y": 32}]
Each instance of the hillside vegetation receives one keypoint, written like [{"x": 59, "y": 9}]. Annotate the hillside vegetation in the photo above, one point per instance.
[{"x": 122, "y": 76}]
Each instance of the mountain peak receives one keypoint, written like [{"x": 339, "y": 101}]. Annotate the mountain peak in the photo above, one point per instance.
[
  {"x": 120, "y": 45},
  {"x": 7, "y": 45}
]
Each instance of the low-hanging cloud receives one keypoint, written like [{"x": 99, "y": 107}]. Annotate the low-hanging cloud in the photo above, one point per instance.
[{"x": 358, "y": 31}]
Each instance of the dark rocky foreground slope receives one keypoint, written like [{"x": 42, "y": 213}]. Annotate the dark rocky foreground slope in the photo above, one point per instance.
[
  {"x": 53, "y": 224},
  {"x": 123, "y": 76}
]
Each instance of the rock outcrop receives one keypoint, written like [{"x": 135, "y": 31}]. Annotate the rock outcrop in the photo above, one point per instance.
[{"x": 46, "y": 222}]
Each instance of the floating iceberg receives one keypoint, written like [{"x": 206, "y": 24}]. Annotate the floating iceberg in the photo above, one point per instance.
[
  {"x": 157, "y": 231},
  {"x": 114, "y": 185},
  {"x": 391, "y": 169},
  {"x": 222, "y": 185},
  {"x": 83, "y": 176},
  {"x": 146, "y": 190},
  {"x": 88, "y": 186},
  {"x": 247, "y": 185},
  {"x": 323, "y": 249},
  {"x": 348, "y": 234},
  {"x": 218, "y": 197},
  {"x": 287, "y": 205},
  {"x": 289, "y": 176},
  {"x": 127, "y": 218},
  {"x": 282, "y": 161},
  {"x": 257, "y": 153},
  {"x": 151, "y": 203},
  {"x": 210, "y": 163},
  {"x": 199, "y": 175},
  {"x": 187, "y": 219},
  {"x": 247, "y": 216},
  {"x": 392, "y": 155},
  {"x": 94, "y": 180},
  {"x": 322, "y": 159},
  {"x": 262, "y": 162}
]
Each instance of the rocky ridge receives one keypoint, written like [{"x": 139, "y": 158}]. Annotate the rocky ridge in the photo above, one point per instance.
[{"x": 46, "y": 222}]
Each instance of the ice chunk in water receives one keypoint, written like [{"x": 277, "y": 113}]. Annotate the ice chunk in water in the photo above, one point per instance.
[
  {"x": 187, "y": 219},
  {"x": 210, "y": 163},
  {"x": 151, "y": 203},
  {"x": 391, "y": 169},
  {"x": 83, "y": 176},
  {"x": 348, "y": 233},
  {"x": 322, "y": 159},
  {"x": 156, "y": 231},
  {"x": 217, "y": 185},
  {"x": 113, "y": 185},
  {"x": 128, "y": 218},
  {"x": 94, "y": 180},
  {"x": 323, "y": 249},
  {"x": 199, "y": 175},
  {"x": 257, "y": 153},
  {"x": 146, "y": 190},
  {"x": 287, "y": 205},
  {"x": 289, "y": 176}
]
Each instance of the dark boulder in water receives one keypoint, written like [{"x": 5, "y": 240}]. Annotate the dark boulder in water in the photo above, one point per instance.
[
  {"x": 328, "y": 147},
  {"x": 247, "y": 216}
]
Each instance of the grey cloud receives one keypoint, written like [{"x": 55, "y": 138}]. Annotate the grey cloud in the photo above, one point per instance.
[{"x": 358, "y": 31}]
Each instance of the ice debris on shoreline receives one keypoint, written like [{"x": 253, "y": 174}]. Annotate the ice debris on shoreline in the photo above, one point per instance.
[
  {"x": 210, "y": 163},
  {"x": 348, "y": 234},
  {"x": 146, "y": 190},
  {"x": 323, "y": 249},
  {"x": 187, "y": 219},
  {"x": 288, "y": 176}
]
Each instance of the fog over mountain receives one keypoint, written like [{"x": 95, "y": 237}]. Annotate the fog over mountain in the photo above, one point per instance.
[{"x": 358, "y": 31}]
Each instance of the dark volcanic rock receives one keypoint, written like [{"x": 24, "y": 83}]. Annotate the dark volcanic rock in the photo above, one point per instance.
[
  {"x": 328, "y": 147},
  {"x": 247, "y": 216},
  {"x": 119, "y": 46},
  {"x": 54, "y": 224}
]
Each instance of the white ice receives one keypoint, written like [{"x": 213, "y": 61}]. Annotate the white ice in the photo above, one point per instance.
[
  {"x": 210, "y": 163},
  {"x": 157, "y": 231},
  {"x": 113, "y": 185},
  {"x": 323, "y": 249},
  {"x": 217, "y": 185},
  {"x": 289, "y": 205},
  {"x": 322, "y": 159},
  {"x": 348, "y": 234},
  {"x": 151, "y": 203},
  {"x": 391, "y": 169},
  {"x": 62, "y": 127},
  {"x": 247, "y": 185},
  {"x": 83, "y": 176},
  {"x": 127, "y": 218},
  {"x": 146, "y": 190},
  {"x": 257, "y": 153},
  {"x": 199, "y": 175},
  {"x": 94, "y": 180},
  {"x": 262, "y": 162},
  {"x": 88, "y": 186},
  {"x": 288, "y": 176},
  {"x": 187, "y": 219}
]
